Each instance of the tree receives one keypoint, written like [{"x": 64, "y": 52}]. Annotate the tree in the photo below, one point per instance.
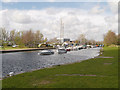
[
  {"x": 99, "y": 42},
  {"x": 45, "y": 40},
  {"x": 28, "y": 38},
  {"x": 38, "y": 37},
  {"x": 31, "y": 39},
  {"x": 76, "y": 41},
  {"x": 53, "y": 40},
  {"x": 82, "y": 39},
  {"x": 18, "y": 39},
  {"x": 4, "y": 36},
  {"x": 0, "y": 37},
  {"x": 118, "y": 39},
  {"x": 91, "y": 42},
  {"x": 110, "y": 38},
  {"x": 12, "y": 37}
]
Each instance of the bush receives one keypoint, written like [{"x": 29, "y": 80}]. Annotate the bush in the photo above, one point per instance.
[{"x": 113, "y": 45}]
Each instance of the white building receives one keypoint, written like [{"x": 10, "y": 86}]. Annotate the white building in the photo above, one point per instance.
[{"x": 62, "y": 40}]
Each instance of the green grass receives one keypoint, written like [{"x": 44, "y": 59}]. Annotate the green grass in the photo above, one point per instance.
[
  {"x": 11, "y": 48},
  {"x": 106, "y": 74}
]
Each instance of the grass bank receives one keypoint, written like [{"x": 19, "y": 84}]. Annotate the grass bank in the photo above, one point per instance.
[
  {"x": 11, "y": 48},
  {"x": 101, "y": 72},
  {"x": 7, "y": 49}
]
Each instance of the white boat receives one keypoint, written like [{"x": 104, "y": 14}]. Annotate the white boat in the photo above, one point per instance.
[
  {"x": 80, "y": 47},
  {"x": 68, "y": 48},
  {"x": 46, "y": 52},
  {"x": 88, "y": 46},
  {"x": 75, "y": 48},
  {"x": 61, "y": 50}
]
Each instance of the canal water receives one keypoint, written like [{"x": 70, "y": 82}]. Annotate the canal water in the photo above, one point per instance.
[{"x": 19, "y": 62}]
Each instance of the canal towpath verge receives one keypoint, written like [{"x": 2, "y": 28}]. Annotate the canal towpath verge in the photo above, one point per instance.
[{"x": 21, "y": 50}]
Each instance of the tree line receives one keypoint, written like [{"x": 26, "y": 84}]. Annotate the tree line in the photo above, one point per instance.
[
  {"x": 22, "y": 38},
  {"x": 32, "y": 39},
  {"x": 110, "y": 38},
  {"x": 84, "y": 41}
]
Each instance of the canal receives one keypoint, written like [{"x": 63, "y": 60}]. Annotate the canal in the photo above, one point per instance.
[{"x": 19, "y": 62}]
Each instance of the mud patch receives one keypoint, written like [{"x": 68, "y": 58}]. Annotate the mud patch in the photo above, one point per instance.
[
  {"x": 77, "y": 75},
  {"x": 44, "y": 82},
  {"x": 107, "y": 63},
  {"x": 103, "y": 57}
]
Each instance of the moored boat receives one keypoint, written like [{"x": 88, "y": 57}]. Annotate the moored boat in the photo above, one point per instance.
[
  {"x": 61, "y": 50},
  {"x": 68, "y": 49},
  {"x": 46, "y": 52}
]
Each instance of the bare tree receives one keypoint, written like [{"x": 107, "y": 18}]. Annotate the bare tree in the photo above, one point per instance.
[
  {"x": 38, "y": 37},
  {"x": 12, "y": 36},
  {"x": 53, "y": 40},
  {"x": 82, "y": 39},
  {"x": 28, "y": 38},
  {"x": 4, "y": 34},
  {"x": 91, "y": 42},
  {"x": 3, "y": 37}
]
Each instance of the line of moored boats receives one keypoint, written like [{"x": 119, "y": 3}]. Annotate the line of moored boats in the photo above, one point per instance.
[{"x": 62, "y": 50}]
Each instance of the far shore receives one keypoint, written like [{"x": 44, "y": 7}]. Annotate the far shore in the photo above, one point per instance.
[{"x": 23, "y": 49}]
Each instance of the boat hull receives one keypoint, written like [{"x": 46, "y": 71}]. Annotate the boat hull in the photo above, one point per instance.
[
  {"x": 62, "y": 51},
  {"x": 47, "y": 53}
]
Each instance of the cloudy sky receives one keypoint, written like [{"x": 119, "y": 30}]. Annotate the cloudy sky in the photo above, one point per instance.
[{"x": 93, "y": 19}]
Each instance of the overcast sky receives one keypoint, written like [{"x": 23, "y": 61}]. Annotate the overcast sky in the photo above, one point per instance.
[{"x": 93, "y": 19}]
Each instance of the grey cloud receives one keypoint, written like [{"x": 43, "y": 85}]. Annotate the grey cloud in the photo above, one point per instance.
[{"x": 21, "y": 17}]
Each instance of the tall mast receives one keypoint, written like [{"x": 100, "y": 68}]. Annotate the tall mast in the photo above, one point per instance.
[{"x": 61, "y": 31}]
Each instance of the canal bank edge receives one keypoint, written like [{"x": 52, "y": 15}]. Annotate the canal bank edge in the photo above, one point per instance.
[{"x": 22, "y": 50}]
